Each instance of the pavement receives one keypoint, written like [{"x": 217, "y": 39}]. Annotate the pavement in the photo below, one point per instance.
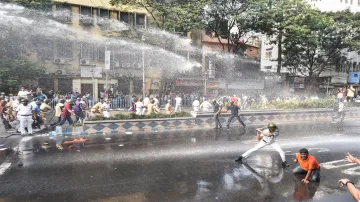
[{"x": 196, "y": 168}]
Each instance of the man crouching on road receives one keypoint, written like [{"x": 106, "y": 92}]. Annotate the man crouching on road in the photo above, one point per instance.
[{"x": 308, "y": 166}]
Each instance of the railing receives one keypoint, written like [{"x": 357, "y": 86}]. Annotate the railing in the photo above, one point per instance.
[{"x": 125, "y": 103}]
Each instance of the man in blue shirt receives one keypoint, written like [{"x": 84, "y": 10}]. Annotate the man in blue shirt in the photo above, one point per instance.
[
  {"x": 234, "y": 114},
  {"x": 78, "y": 110},
  {"x": 38, "y": 120}
]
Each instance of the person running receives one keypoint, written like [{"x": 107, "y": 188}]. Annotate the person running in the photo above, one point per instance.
[
  {"x": 308, "y": 165},
  {"x": 217, "y": 110},
  {"x": 234, "y": 114},
  {"x": 267, "y": 136},
  {"x": 67, "y": 112},
  {"x": 58, "y": 110}
]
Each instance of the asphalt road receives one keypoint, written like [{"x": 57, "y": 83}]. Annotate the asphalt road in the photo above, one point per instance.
[{"x": 196, "y": 168}]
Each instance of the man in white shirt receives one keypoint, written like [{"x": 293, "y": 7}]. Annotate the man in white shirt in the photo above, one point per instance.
[
  {"x": 196, "y": 105},
  {"x": 26, "y": 114},
  {"x": 23, "y": 92},
  {"x": 206, "y": 106},
  {"x": 146, "y": 102},
  {"x": 139, "y": 107},
  {"x": 106, "y": 108},
  {"x": 178, "y": 102}
]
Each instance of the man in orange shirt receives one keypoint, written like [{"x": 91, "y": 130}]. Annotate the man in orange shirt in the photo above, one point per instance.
[{"x": 308, "y": 166}]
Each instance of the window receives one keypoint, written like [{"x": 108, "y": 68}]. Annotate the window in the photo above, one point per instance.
[
  {"x": 86, "y": 15},
  {"x": 103, "y": 17},
  {"x": 140, "y": 20},
  {"x": 86, "y": 51},
  {"x": 104, "y": 13},
  {"x": 124, "y": 17},
  {"x": 64, "y": 49},
  {"x": 100, "y": 53},
  {"x": 267, "y": 67},
  {"x": 63, "y": 13},
  {"x": 268, "y": 54}
]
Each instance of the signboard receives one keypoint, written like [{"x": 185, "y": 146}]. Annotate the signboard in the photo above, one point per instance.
[
  {"x": 339, "y": 80},
  {"x": 213, "y": 85},
  {"x": 297, "y": 82},
  {"x": 354, "y": 77},
  {"x": 107, "y": 60},
  {"x": 90, "y": 72},
  {"x": 189, "y": 82}
]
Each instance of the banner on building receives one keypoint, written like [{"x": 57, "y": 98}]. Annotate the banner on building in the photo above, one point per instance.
[
  {"x": 189, "y": 82},
  {"x": 90, "y": 72},
  {"x": 354, "y": 77},
  {"x": 107, "y": 60}
]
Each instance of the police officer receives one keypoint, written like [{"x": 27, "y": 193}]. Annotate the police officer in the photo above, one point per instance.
[
  {"x": 234, "y": 114},
  {"x": 266, "y": 136},
  {"x": 26, "y": 115},
  {"x": 217, "y": 110}
]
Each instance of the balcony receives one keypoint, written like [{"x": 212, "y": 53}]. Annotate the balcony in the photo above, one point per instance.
[
  {"x": 86, "y": 20},
  {"x": 63, "y": 16}
]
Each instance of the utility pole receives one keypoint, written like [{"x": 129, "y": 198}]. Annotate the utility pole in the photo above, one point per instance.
[{"x": 143, "y": 65}]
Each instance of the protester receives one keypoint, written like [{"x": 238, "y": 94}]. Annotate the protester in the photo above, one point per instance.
[
  {"x": 196, "y": 105},
  {"x": 67, "y": 113},
  {"x": 106, "y": 108},
  {"x": 139, "y": 107},
  {"x": 58, "y": 110},
  {"x": 178, "y": 103},
  {"x": 78, "y": 110},
  {"x": 44, "y": 108},
  {"x": 308, "y": 166},
  {"x": 350, "y": 93},
  {"x": 217, "y": 111},
  {"x": 97, "y": 110},
  {"x": 234, "y": 114},
  {"x": 151, "y": 108},
  {"x": 168, "y": 108},
  {"x": 340, "y": 95}
]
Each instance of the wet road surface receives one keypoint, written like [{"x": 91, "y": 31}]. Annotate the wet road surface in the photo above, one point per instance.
[{"x": 197, "y": 168}]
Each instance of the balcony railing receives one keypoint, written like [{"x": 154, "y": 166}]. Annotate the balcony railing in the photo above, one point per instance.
[{"x": 86, "y": 20}]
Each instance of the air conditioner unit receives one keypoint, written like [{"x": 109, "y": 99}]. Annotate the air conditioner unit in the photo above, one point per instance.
[
  {"x": 85, "y": 62},
  {"x": 137, "y": 65},
  {"x": 60, "y": 72},
  {"x": 126, "y": 65},
  {"x": 60, "y": 61},
  {"x": 116, "y": 64}
]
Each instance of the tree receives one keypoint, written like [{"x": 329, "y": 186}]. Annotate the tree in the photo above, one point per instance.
[
  {"x": 44, "y": 5},
  {"x": 231, "y": 20},
  {"x": 273, "y": 17},
  {"x": 313, "y": 41},
  {"x": 16, "y": 72},
  {"x": 174, "y": 16}
]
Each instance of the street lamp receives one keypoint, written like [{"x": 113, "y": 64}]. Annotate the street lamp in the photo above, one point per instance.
[
  {"x": 143, "y": 64},
  {"x": 205, "y": 83}
]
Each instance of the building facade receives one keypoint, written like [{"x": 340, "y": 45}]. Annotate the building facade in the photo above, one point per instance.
[{"x": 78, "y": 64}]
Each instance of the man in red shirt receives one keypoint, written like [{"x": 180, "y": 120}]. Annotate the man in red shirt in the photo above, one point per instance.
[
  {"x": 308, "y": 166},
  {"x": 67, "y": 112}
]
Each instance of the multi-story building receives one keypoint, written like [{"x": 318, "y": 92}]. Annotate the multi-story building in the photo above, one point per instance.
[
  {"x": 78, "y": 65},
  {"x": 228, "y": 73}
]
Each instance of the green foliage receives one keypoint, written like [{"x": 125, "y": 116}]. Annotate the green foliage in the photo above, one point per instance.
[
  {"x": 297, "y": 104},
  {"x": 222, "y": 16},
  {"x": 15, "y": 72},
  {"x": 314, "y": 40},
  {"x": 120, "y": 116}
]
